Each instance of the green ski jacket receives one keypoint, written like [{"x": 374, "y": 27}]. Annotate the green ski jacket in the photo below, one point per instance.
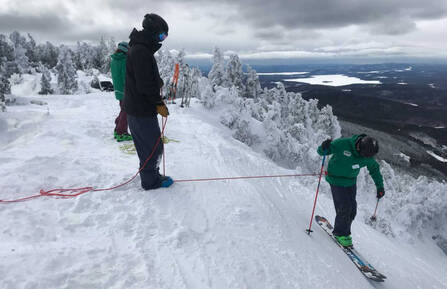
[
  {"x": 345, "y": 163},
  {"x": 118, "y": 69}
]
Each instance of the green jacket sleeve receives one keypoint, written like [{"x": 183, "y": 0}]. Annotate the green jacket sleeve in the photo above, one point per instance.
[
  {"x": 335, "y": 145},
  {"x": 320, "y": 151},
  {"x": 374, "y": 171}
]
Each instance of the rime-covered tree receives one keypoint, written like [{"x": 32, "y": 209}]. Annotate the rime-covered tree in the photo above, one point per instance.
[
  {"x": 21, "y": 61},
  {"x": 67, "y": 77},
  {"x": 111, "y": 47},
  {"x": 166, "y": 64},
  {"x": 217, "y": 75},
  {"x": 6, "y": 50},
  {"x": 77, "y": 57},
  {"x": 195, "y": 89},
  {"x": 45, "y": 82},
  {"x": 100, "y": 59},
  {"x": 31, "y": 51},
  {"x": 166, "y": 67},
  {"x": 252, "y": 84},
  {"x": 234, "y": 72},
  {"x": 48, "y": 54},
  {"x": 7, "y": 67},
  {"x": 184, "y": 83},
  {"x": 184, "y": 70},
  {"x": 17, "y": 39},
  {"x": 5, "y": 87},
  {"x": 180, "y": 58},
  {"x": 207, "y": 95},
  {"x": 84, "y": 56}
]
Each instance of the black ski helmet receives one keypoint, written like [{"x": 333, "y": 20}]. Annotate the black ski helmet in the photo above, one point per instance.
[
  {"x": 155, "y": 23},
  {"x": 367, "y": 146}
]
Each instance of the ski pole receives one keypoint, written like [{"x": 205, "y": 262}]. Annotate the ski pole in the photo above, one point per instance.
[
  {"x": 316, "y": 196},
  {"x": 373, "y": 217},
  {"x": 163, "y": 121}
]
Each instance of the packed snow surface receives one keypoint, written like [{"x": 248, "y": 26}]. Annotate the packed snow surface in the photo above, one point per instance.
[
  {"x": 225, "y": 234},
  {"x": 333, "y": 80}
]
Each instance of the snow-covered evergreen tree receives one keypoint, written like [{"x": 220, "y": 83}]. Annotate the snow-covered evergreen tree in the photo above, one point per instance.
[
  {"x": 67, "y": 77},
  {"x": 77, "y": 58},
  {"x": 111, "y": 48},
  {"x": 183, "y": 77},
  {"x": 85, "y": 56},
  {"x": 21, "y": 62},
  {"x": 48, "y": 54},
  {"x": 180, "y": 58},
  {"x": 234, "y": 72},
  {"x": 207, "y": 95},
  {"x": 101, "y": 57},
  {"x": 166, "y": 67},
  {"x": 45, "y": 82},
  {"x": 184, "y": 83},
  {"x": 5, "y": 87},
  {"x": 17, "y": 39},
  {"x": 6, "y": 50},
  {"x": 194, "y": 86},
  {"x": 31, "y": 51},
  {"x": 217, "y": 75},
  {"x": 252, "y": 84}
]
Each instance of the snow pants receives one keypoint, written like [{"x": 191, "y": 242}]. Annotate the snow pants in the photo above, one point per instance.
[
  {"x": 345, "y": 208},
  {"x": 146, "y": 133},
  {"x": 121, "y": 121}
]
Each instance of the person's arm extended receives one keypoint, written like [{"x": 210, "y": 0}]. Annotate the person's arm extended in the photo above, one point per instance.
[
  {"x": 328, "y": 147},
  {"x": 374, "y": 171}
]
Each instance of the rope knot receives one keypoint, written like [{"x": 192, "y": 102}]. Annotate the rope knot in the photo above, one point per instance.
[{"x": 43, "y": 193}]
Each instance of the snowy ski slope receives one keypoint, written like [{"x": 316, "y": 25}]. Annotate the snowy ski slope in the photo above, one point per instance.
[{"x": 224, "y": 234}]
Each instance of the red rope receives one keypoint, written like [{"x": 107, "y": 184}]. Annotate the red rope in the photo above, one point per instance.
[
  {"x": 80, "y": 191},
  {"x": 75, "y": 192}
]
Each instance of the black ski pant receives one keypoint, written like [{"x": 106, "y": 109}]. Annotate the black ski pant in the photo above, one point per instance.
[
  {"x": 345, "y": 208},
  {"x": 146, "y": 133}
]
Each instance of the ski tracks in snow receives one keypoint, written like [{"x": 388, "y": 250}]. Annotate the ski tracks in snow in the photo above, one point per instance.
[{"x": 225, "y": 234}]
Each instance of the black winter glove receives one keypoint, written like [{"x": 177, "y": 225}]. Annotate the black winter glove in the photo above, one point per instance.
[
  {"x": 380, "y": 193},
  {"x": 326, "y": 145}
]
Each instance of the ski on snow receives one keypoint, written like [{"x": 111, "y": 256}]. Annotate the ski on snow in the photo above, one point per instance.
[{"x": 367, "y": 269}]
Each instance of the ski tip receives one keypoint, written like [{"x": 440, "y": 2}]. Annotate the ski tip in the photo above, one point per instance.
[
  {"x": 377, "y": 279},
  {"x": 374, "y": 277},
  {"x": 320, "y": 218}
]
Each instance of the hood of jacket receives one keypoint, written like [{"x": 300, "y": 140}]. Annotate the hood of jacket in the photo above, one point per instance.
[{"x": 146, "y": 38}]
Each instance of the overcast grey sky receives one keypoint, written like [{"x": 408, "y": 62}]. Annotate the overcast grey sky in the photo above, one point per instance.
[{"x": 253, "y": 28}]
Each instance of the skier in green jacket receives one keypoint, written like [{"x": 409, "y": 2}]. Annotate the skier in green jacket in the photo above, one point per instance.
[
  {"x": 118, "y": 69},
  {"x": 349, "y": 155}
]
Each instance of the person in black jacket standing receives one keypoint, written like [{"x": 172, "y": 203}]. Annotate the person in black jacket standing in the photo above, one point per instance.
[{"x": 142, "y": 99}]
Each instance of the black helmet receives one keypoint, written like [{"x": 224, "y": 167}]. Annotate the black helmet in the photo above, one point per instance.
[
  {"x": 367, "y": 146},
  {"x": 155, "y": 23}
]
